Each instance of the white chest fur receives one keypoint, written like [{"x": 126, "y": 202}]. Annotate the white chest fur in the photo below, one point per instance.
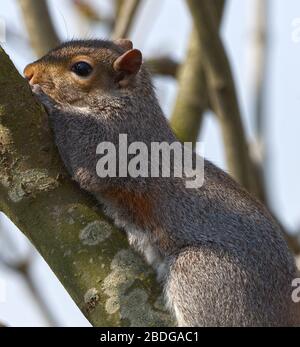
[{"x": 140, "y": 241}]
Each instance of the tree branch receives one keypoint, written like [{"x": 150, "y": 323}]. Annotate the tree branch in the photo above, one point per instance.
[
  {"x": 108, "y": 281},
  {"x": 222, "y": 92},
  {"x": 260, "y": 50},
  {"x": 125, "y": 18},
  {"x": 39, "y": 26},
  {"x": 192, "y": 98},
  {"x": 23, "y": 268},
  {"x": 164, "y": 66}
]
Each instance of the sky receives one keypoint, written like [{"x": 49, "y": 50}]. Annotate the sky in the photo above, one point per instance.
[{"x": 163, "y": 27}]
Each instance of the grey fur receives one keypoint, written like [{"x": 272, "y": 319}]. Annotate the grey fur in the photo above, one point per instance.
[{"x": 220, "y": 255}]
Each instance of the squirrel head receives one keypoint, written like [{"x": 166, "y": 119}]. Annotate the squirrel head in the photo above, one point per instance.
[{"x": 78, "y": 73}]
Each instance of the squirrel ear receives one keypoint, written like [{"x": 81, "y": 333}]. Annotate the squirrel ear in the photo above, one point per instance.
[
  {"x": 130, "y": 62},
  {"x": 124, "y": 43}
]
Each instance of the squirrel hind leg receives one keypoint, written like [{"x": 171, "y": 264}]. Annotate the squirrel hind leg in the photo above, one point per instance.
[
  {"x": 193, "y": 290},
  {"x": 206, "y": 287}
]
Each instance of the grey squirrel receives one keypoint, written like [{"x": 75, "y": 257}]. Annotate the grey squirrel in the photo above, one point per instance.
[{"x": 219, "y": 254}]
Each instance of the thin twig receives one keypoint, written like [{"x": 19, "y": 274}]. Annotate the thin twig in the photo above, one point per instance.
[{"x": 23, "y": 268}]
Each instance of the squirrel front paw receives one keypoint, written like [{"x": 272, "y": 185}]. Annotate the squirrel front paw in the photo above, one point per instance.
[{"x": 43, "y": 98}]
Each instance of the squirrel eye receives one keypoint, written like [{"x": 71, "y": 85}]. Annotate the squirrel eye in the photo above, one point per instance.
[{"x": 82, "y": 69}]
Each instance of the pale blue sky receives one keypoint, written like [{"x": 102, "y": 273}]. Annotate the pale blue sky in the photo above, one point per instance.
[{"x": 164, "y": 27}]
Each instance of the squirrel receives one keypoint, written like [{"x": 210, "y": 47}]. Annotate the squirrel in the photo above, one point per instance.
[{"x": 218, "y": 252}]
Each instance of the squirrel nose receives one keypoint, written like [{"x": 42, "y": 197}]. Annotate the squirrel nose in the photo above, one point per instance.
[{"x": 29, "y": 73}]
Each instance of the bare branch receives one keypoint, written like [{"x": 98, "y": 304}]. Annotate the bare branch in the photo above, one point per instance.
[
  {"x": 125, "y": 18},
  {"x": 164, "y": 66},
  {"x": 87, "y": 10},
  {"x": 258, "y": 148},
  {"x": 23, "y": 268},
  {"x": 260, "y": 49},
  {"x": 39, "y": 26},
  {"x": 192, "y": 98},
  {"x": 118, "y": 6},
  {"x": 259, "y": 59},
  {"x": 222, "y": 93},
  {"x": 26, "y": 270}
]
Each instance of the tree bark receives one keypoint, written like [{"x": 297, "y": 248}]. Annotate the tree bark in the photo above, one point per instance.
[{"x": 109, "y": 282}]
